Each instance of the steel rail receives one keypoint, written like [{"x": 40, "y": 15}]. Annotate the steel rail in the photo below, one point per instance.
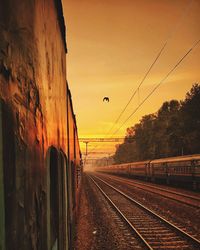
[
  {"x": 122, "y": 215},
  {"x": 160, "y": 189},
  {"x": 188, "y": 236}
]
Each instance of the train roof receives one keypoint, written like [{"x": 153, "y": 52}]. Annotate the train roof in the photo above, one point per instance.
[
  {"x": 140, "y": 162},
  {"x": 61, "y": 21},
  {"x": 178, "y": 158},
  {"x": 161, "y": 160},
  {"x": 129, "y": 163}
]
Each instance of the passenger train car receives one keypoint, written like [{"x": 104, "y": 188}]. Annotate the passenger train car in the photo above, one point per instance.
[
  {"x": 40, "y": 159},
  {"x": 182, "y": 169}
]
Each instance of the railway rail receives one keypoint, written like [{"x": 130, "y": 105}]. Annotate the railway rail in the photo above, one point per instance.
[
  {"x": 153, "y": 231},
  {"x": 190, "y": 200}
]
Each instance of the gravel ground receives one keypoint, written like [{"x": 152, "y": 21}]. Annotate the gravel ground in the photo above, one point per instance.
[
  {"x": 98, "y": 227},
  {"x": 174, "y": 211}
]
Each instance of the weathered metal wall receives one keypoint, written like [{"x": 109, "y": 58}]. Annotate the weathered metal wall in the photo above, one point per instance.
[{"x": 33, "y": 90}]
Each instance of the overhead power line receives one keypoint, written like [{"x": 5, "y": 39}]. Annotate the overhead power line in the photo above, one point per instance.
[
  {"x": 134, "y": 93},
  {"x": 158, "y": 85},
  {"x": 171, "y": 34}
]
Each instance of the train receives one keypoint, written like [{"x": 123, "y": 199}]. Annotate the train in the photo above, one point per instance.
[
  {"x": 40, "y": 156},
  {"x": 177, "y": 170}
]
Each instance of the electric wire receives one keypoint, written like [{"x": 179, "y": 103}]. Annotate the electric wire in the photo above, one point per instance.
[
  {"x": 172, "y": 33},
  {"x": 158, "y": 85},
  {"x": 184, "y": 14}
]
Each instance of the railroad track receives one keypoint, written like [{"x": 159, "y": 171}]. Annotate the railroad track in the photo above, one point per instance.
[
  {"x": 190, "y": 200},
  {"x": 153, "y": 231}
]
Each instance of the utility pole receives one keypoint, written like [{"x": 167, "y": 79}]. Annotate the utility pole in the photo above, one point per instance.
[{"x": 86, "y": 147}]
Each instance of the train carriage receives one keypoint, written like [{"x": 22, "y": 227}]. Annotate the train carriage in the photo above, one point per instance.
[
  {"x": 139, "y": 169},
  {"x": 180, "y": 169},
  {"x": 39, "y": 148}
]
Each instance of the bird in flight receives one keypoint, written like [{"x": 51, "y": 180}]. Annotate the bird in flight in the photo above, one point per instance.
[{"x": 106, "y": 99}]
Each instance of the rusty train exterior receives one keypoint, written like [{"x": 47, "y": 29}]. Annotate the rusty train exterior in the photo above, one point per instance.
[
  {"x": 182, "y": 169},
  {"x": 40, "y": 159}
]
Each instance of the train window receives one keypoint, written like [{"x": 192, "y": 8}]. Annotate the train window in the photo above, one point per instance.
[
  {"x": 197, "y": 163},
  {"x": 2, "y": 205},
  {"x": 68, "y": 201},
  {"x": 73, "y": 176}
]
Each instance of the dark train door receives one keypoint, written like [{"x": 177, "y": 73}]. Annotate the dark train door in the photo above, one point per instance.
[
  {"x": 70, "y": 203},
  {"x": 53, "y": 200},
  {"x": 2, "y": 206},
  {"x": 57, "y": 235}
]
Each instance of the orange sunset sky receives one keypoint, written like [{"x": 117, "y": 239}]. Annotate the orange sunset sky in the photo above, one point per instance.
[{"x": 111, "y": 45}]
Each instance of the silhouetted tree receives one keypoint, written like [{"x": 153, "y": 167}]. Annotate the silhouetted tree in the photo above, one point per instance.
[
  {"x": 168, "y": 130},
  {"x": 190, "y": 113},
  {"x": 174, "y": 130}
]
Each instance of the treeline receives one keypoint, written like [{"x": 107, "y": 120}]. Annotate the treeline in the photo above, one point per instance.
[{"x": 174, "y": 130}]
